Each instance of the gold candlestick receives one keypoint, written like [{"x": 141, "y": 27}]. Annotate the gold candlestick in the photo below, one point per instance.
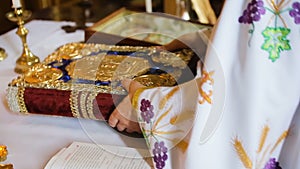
[{"x": 27, "y": 58}]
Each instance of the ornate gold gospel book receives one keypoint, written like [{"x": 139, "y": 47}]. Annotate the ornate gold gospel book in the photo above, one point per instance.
[{"x": 83, "y": 80}]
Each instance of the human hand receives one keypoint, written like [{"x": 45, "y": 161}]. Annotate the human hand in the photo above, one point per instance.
[{"x": 124, "y": 117}]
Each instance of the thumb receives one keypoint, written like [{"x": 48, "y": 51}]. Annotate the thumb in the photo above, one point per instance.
[{"x": 126, "y": 83}]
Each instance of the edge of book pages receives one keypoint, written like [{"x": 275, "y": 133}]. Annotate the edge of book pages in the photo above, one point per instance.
[{"x": 80, "y": 155}]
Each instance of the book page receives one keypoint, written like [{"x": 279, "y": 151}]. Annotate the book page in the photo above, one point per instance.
[{"x": 94, "y": 156}]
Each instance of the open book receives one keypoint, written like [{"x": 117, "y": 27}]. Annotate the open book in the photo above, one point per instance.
[{"x": 81, "y": 155}]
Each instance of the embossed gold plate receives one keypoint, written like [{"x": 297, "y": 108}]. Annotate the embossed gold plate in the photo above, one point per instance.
[
  {"x": 42, "y": 74},
  {"x": 152, "y": 80},
  {"x": 104, "y": 67}
]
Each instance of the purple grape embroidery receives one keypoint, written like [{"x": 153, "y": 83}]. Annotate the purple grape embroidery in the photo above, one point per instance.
[
  {"x": 272, "y": 164},
  {"x": 255, "y": 9},
  {"x": 295, "y": 12},
  {"x": 160, "y": 154},
  {"x": 275, "y": 37},
  {"x": 159, "y": 148},
  {"x": 253, "y": 12},
  {"x": 146, "y": 110}
]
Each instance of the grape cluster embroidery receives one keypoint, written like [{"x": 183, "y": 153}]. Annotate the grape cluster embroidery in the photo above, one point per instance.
[
  {"x": 295, "y": 12},
  {"x": 160, "y": 154},
  {"x": 163, "y": 126},
  {"x": 275, "y": 36},
  {"x": 146, "y": 110},
  {"x": 255, "y": 9},
  {"x": 159, "y": 149},
  {"x": 272, "y": 164}
]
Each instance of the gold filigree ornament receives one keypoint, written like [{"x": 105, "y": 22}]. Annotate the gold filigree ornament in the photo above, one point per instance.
[
  {"x": 81, "y": 103},
  {"x": 79, "y": 50},
  {"x": 104, "y": 67},
  {"x": 68, "y": 51},
  {"x": 178, "y": 59},
  {"x": 74, "y": 103},
  {"x": 42, "y": 74},
  {"x": 91, "y": 62},
  {"x": 15, "y": 99},
  {"x": 151, "y": 80}
]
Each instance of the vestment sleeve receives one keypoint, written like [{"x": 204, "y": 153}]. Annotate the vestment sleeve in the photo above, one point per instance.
[{"x": 244, "y": 100}]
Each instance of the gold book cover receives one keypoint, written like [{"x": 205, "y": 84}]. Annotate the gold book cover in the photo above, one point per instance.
[{"x": 83, "y": 80}]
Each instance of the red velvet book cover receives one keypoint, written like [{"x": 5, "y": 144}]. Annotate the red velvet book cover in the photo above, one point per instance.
[{"x": 57, "y": 103}]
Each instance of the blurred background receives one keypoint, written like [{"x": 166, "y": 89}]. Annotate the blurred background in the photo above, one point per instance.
[{"x": 81, "y": 11}]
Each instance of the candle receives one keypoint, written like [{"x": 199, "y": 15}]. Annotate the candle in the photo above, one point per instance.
[
  {"x": 16, "y": 4},
  {"x": 148, "y": 4}
]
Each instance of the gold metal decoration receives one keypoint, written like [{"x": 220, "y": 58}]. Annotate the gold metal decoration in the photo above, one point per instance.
[
  {"x": 151, "y": 80},
  {"x": 178, "y": 59},
  {"x": 21, "y": 100},
  {"x": 91, "y": 62},
  {"x": 3, "y": 153},
  {"x": 3, "y": 54},
  {"x": 82, "y": 104},
  {"x": 6, "y": 166},
  {"x": 107, "y": 67},
  {"x": 27, "y": 58},
  {"x": 42, "y": 74}
]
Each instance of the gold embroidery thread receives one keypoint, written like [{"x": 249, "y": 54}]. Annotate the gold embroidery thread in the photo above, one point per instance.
[
  {"x": 265, "y": 150},
  {"x": 168, "y": 96},
  {"x": 242, "y": 154},
  {"x": 206, "y": 78},
  {"x": 263, "y": 138}
]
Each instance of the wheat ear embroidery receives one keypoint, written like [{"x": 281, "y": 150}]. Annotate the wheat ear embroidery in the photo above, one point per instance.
[
  {"x": 242, "y": 153},
  {"x": 263, "y": 138},
  {"x": 279, "y": 140},
  {"x": 168, "y": 96}
]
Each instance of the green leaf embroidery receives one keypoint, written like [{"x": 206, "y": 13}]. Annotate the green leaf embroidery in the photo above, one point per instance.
[{"x": 275, "y": 41}]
